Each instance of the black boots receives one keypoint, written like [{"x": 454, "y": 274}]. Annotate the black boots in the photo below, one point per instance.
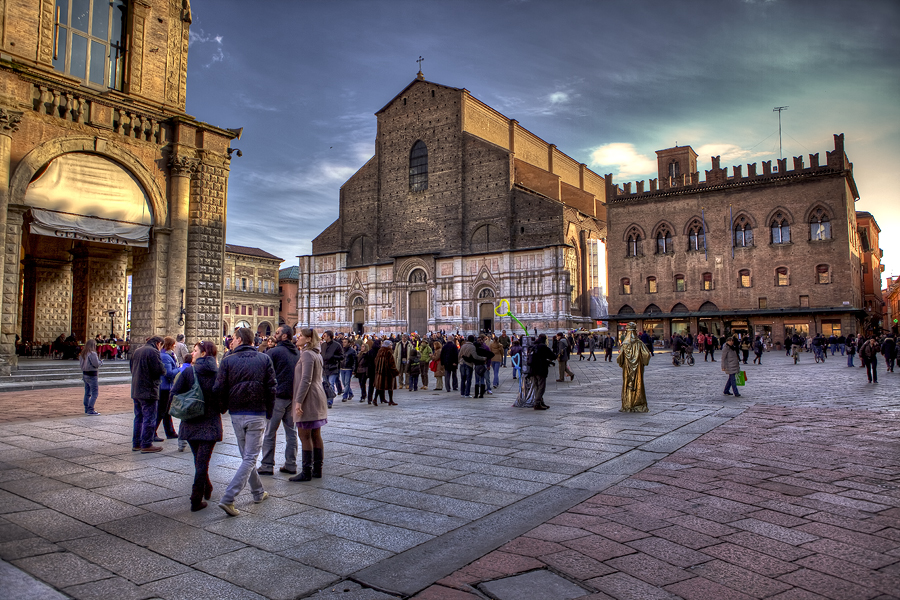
[
  {"x": 305, "y": 472},
  {"x": 479, "y": 391},
  {"x": 318, "y": 455},
  {"x": 539, "y": 405},
  {"x": 197, "y": 492}
]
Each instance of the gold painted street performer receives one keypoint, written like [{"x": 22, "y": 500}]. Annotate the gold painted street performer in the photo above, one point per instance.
[{"x": 633, "y": 357}]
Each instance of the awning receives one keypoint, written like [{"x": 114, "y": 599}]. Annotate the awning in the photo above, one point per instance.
[{"x": 92, "y": 229}]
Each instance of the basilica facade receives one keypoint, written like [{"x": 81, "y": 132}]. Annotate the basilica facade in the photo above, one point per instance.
[
  {"x": 459, "y": 208},
  {"x": 104, "y": 179}
]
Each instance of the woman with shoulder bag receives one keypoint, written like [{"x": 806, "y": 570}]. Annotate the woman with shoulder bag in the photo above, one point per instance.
[
  {"x": 310, "y": 405},
  {"x": 90, "y": 369},
  {"x": 201, "y": 433}
]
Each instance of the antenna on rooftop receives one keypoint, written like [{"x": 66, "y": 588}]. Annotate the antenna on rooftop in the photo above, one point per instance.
[{"x": 778, "y": 109}]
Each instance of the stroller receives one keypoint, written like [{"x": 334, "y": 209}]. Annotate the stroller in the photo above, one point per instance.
[{"x": 687, "y": 359}]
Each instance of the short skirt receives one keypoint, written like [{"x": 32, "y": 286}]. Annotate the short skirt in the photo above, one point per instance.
[{"x": 311, "y": 424}]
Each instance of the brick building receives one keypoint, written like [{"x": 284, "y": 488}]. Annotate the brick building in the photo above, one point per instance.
[
  {"x": 771, "y": 252},
  {"x": 891, "y": 296},
  {"x": 250, "y": 281},
  {"x": 459, "y": 207},
  {"x": 873, "y": 301},
  {"x": 288, "y": 282},
  {"x": 104, "y": 177}
]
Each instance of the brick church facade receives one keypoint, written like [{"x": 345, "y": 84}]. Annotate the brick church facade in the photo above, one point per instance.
[
  {"x": 103, "y": 176},
  {"x": 459, "y": 208},
  {"x": 770, "y": 252}
]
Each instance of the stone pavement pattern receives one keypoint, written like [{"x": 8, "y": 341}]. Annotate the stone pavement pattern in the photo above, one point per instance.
[
  {"x": 415, "y": 492},
  {"x": 778, "y": 503}
]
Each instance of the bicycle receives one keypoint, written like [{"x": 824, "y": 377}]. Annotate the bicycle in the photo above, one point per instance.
[
  {"x": 817, "y": 350},
  {"x": 678, "y": 360}
]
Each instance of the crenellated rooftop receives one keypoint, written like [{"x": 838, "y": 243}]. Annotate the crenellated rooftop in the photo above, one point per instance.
[{"x": 717, "y": 178}]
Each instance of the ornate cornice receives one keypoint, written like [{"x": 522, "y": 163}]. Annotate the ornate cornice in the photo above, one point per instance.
[
  {"x": 183, "y": 166},
  {"x": 9, "y": 121}
]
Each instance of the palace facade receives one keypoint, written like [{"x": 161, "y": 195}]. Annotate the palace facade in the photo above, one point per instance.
[
  {"x": 251, "y": 290},
  {"x": 767, "y": 251},
  {"x": 459, "y": 208},
  {"x": 103, "y": 177}
]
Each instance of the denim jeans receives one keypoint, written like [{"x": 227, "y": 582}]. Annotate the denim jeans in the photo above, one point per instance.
[
  {"x": 505, "y": 350},
  {"x": 281, "y": 416},
  {"x": 849, "y": 360},
  {"x": 871, "y": 366},
  {"x": 732, "y": 383},
  {"x": 144, "y": 423},
  {"x": 335, "y": 380},
  {"x": 248, "y": 429},
  {"x": 346, "y": 375},
  {"x": 496, "y": 366},
  {"x": 163, "y": 416},
  {"x": 465, "y": 375},
  {"x": 90, "y": 391}
]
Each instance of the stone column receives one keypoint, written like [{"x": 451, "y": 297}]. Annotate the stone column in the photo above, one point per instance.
[
  {"x": 9, "y": 310},
  {"x": 181, "y": 170},
  {"x": 9, "y": 124}
]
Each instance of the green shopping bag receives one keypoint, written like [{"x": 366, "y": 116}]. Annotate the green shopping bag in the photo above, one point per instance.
[
  {"x": 741, "y": 377},
  {"x": 188, "y": 405}
]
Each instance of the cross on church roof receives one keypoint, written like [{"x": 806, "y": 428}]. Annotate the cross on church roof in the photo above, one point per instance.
[{"x": 420, "y": 75}]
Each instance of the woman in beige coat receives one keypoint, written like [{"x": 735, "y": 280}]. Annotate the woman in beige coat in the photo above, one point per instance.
[
  {"x": 439, "y": 371},
  {"x": 310, "y": 406}
]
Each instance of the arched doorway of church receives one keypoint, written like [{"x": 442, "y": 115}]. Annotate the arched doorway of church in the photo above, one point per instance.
[
  {"x": 85, "y": 238},
  {"x": 264, "y": 329},
  {"x": 417, "y": 317},
  {"x": 486, "y": 310},
  {"x": 359, "y": 315}
]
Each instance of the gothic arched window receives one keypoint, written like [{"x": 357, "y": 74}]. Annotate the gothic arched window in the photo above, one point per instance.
[
  {"x": 696, "y": 236},
  {"x": 486, "y": 293},
  {"x": 418, "y": 276},
  {"x": 633, "y": 243},
  {"x": 418, "y": 167},
  {"x": 664, "y": 241},
  {"x": 819, "y": 225},
  {"x": 743, "y": 232},
  {"x": 781, "y": 231}
]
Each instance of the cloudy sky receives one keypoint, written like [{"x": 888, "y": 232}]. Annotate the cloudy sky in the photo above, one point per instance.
[{"x": 608, "y": 82}]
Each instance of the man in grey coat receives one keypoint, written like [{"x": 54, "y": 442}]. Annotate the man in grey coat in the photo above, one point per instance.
[
  {"x": 284, "y": 358},
  {"x": 146, "y": 370}
]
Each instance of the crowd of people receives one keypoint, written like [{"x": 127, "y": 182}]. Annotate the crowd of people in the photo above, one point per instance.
[{"x": 288, "y": 381}]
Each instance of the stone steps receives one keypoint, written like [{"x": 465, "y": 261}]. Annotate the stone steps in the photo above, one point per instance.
[{"x": 36, "y": 374}]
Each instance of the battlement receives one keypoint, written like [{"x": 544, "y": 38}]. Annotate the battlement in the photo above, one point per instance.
[{"x": 717, "y": 177}]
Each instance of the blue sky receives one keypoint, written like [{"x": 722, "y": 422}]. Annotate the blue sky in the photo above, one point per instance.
[{"x": 608, "y": 82}]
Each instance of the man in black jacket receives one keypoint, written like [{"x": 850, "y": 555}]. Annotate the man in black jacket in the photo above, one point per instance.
[
  {"x": 332, "y": 355},
  {"x": 284, "y": 358},
  {"x": 450, "y": 360},
  {"x": 246, "y": 386},
  {"x": 146, "y": 370},
  {"x": 541, "y": 360}
]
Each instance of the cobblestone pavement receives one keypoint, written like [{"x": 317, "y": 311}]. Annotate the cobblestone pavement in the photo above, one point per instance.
[{"x": 414, "y": 493}]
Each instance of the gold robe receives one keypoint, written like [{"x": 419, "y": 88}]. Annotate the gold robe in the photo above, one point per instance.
[{"x": 632, "y": 358}]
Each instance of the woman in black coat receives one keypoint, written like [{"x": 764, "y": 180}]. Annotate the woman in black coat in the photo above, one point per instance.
[{"x": 204, "y": 431}]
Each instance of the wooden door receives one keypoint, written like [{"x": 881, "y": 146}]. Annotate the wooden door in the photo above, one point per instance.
[
  {"x": 486, "y": 314},
  {"x": 358, "y": 320},
  {"x": 418, "y": 312}
]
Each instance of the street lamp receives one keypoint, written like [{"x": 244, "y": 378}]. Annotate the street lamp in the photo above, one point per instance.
[{"x": 112, "y": 323}]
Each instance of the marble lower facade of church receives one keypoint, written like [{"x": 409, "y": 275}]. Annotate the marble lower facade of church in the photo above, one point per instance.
[{"x": 456, "y": 293}]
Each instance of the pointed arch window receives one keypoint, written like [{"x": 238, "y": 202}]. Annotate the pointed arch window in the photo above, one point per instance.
[
  {"x": 781, "y": 231},
  {"x": 418, "y": 167},
  {"x": 664, "y": 241},
  {"x": 819, "y": 225},
  {"x": 633, "y": 243},
  {"x": 696, "y": 236},
  {"x": 743, "y": 232}
]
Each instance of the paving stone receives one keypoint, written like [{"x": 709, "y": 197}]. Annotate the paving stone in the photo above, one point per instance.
[
  {"x": 433, "y": 503},
  {"x": 13, "y": 503},
  {"x": 21, "y": 586},
  {"x": 131, "y": 561},
  {"x": 535, "y": 585},
  {"x": 379, "y": 535},
  {"x": 31, "y": 486},
  {"x": 107, "y": 589},
  {"x": 10, "y": 532},
  {"x": 625, "y": 587},
  {"x": 699, "y": 588},
  {"x": 854, "y": 554},
  {"x": 263, "y": 533},
  {"x": 61, "y": 569},
  {"x": 342, "y": 503},
  {"x": 336, "y": 555},
  {"x": 598, "y": 547},
  {"x": 826, "y": 585},
  {"x": 414, "y": 519},
  {"x": 766, "y": 545},
  {"x": 886, "y": 583},
  {"x": 197, "y": 586},
  {"x": 266, "y": 574},
  {"x": 651, "y": 570},
  {"x": 350, "y": 590},
  {"x": 52, "y": 525},
  {"x": 742, "y": 580},
  {"x": 87, "y": 506},
  {"x": 556, "y": 533},
  {"x": 787, "y": 535},
  {"x": 669, "y": 552},
  {"x": 22, "y": 548}
]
